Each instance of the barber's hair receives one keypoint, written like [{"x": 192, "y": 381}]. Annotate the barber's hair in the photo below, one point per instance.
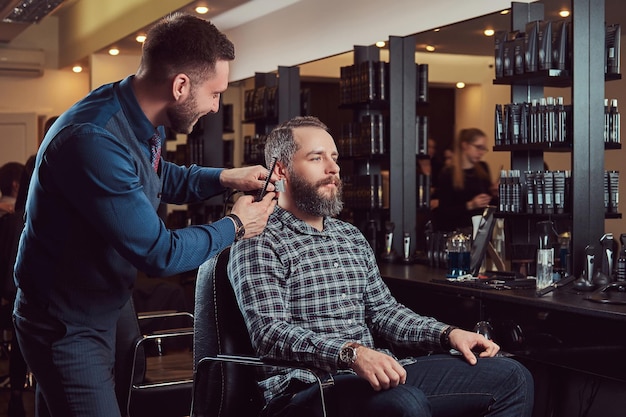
[
  {"x": 182, "y": 43},
  {"x": 10, "y": 173},
  {"x": 466, "y": 136},
  {"x": 281, "y": 142}
]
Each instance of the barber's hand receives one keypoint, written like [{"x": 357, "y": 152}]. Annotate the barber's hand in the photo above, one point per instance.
[
  {"x": 469, "y": 342},
  {"x": 246, "y": 178},
  {"x": 380, "y": 370},
  {"x": 254, "y": 215},
  {"x": 480, "y": 201}
]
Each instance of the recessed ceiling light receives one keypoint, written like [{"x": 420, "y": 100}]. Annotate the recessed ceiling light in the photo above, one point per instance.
[
  {"x": 380, "y": 44},
  {"x": 564, "y": 13},
  {"x": 114, "y": 51},
  {"x": 436, "y": 30},
  {"x": 505, "y": 11},
  {"x": 430, "y": 48},
  {"x": 489, "y": 32},
  {"x": 77, "y": 68},
  {"x": 202, "y": 10},
  {"x": 460, "y": 84},
  {"x": 140, "y": 38}
]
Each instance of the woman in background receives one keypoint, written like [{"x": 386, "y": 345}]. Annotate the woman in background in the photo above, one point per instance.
[{"x": 464, "y": 187}]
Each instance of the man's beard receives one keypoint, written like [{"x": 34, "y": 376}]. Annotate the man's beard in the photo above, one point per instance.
[
  {"x": 183, "y": 115},
  {"x": 310, "y": 200}
]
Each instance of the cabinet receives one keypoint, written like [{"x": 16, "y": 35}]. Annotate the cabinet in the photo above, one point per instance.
[
  {"x": 274, "y": 99},
  {"x": 385, "y": 111},
  {"x": 587, "y": 114}
]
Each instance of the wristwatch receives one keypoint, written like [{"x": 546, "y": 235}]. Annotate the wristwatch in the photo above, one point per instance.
[
  {"x": 444, "y": 339},
  {"x": 240, "y": 231},
  {"x": 347, "y": 355}
]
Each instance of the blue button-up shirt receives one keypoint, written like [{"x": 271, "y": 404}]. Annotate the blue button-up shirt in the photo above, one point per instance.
[
  {"x": 91, "y": 218},
  {"x": 305, "y": 293}
]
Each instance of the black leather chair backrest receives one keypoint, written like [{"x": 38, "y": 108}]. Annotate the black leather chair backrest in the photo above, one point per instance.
[{"x": 221, "y": 389}]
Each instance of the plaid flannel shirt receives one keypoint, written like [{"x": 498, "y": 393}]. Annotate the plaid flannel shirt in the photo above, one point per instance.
[{"x": 305, "y": 293}]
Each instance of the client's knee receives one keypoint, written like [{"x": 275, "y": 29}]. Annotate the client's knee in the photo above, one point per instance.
[{"x": 402, "y": 401}]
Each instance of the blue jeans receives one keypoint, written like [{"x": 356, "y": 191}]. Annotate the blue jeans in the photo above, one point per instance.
[{"x": 436, "y": 385}]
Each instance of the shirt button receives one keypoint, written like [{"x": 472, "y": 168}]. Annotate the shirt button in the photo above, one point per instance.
[
  {"x": 350, "y": 321},
  {"x": 336, "y": 264},
  {"x": 343, "y": 295}
]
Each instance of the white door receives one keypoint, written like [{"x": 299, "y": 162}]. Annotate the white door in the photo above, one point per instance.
[{"x": 18, "y": 137}]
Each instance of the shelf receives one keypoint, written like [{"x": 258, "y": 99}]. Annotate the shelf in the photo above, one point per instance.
[
  {"x": 539, "y": 216},
  {"x": 546, "y": 147},
  {"x": 371, "y": 105},
  {"x": 546, "y": 78},
  {"x": 556, "y": 216}
]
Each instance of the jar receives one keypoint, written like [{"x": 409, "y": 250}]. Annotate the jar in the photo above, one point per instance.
[{"x": 458, "y": 248}]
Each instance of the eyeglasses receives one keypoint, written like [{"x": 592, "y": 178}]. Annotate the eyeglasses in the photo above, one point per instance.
[{"x": 480, "y": 147}]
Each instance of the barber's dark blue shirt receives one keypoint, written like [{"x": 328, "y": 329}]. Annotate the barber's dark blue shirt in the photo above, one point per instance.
[{"x": 91, "y": 218}]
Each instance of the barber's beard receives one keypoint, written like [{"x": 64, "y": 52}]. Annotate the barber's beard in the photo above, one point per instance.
[
  {"x": 182, "y": 116},
  {"x": 309, "y": 199}
]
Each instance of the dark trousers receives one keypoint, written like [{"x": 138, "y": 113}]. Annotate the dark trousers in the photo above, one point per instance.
[
  {"x": 73, "y": 365},
  {"x": 437, "y": 385}
]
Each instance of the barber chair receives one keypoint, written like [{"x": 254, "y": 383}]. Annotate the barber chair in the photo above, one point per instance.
[
  {"x": 150, "y": 379},
  {"x": 225, "y": 381}
]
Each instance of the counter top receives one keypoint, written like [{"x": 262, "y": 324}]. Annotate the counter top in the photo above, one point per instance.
[{"x": 565, "y": 299}]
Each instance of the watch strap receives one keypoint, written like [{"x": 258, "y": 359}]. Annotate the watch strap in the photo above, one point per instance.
[
  {"x": 444, "y": 339},
  {"x": 240, "y": 231}
]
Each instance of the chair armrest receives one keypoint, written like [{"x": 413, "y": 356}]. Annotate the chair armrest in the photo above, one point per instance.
[
  {"x": 270, "y": 363},
  {"x": 163, "y": 314}
]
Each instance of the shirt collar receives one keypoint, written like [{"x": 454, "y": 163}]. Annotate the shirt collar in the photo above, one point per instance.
[
  {"x": 289, "y": 220},
  {"x": 142, "y": 127}
]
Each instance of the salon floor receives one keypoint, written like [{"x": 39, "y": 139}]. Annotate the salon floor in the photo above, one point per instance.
[{"x": 28, "y": 397}]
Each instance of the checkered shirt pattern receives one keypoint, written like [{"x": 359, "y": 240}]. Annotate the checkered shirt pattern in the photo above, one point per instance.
[
  {"x": 305, "y": 293},
  {"x": 155, "y": 151}
]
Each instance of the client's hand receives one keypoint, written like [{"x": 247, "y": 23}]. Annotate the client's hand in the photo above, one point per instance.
[
  {"x": 468, "y": 342},
  {"x": 380, "y": 370}
]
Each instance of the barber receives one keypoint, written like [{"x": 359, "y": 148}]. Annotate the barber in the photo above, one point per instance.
[{"x": 91, "y": 214}]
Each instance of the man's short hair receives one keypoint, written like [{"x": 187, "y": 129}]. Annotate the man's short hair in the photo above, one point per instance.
[
  {"x": 182, "y": 43},
  {"x": 10, "y": 173},
  {"x": 281, "y": 142}
]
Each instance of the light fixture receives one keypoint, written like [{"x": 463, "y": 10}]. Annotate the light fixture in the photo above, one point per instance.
[
  {"x": 114, "y": 51},
  {"x": 505, "y": 11},
  {"x": 489, "y": 32},
  {"x": 202, "y": 10},
  {"x": 140, "y": 38},
  {"x": 564, "y": 13},
  {"x": 460, "y": 84},
  {"x": 380, "y": 44},
  {"x": 436, "y": 30},
  {"x": 77, "y": 69},
  {"x": 430, "y": 48}
]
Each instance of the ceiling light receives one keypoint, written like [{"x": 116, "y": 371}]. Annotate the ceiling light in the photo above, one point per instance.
[
  {"x": 489, "y": 32},
  {"x": 140, "y": 38},
  {"x": 202, "y": 10},
  {"x": 114, "y": 51},
  {"x": 380, "y": 44},
  {"x": 564, "y": 13},
  {"x": 430, "y": 48},
  {"x": 436, "y": 30},
  {"x": 505, "y": 11},
  {"x": 77, "y": 69},
  {"x": 460, "y": 84}
]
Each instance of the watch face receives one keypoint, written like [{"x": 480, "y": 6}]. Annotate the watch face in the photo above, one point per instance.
[{"x": 348, "y": 355}]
